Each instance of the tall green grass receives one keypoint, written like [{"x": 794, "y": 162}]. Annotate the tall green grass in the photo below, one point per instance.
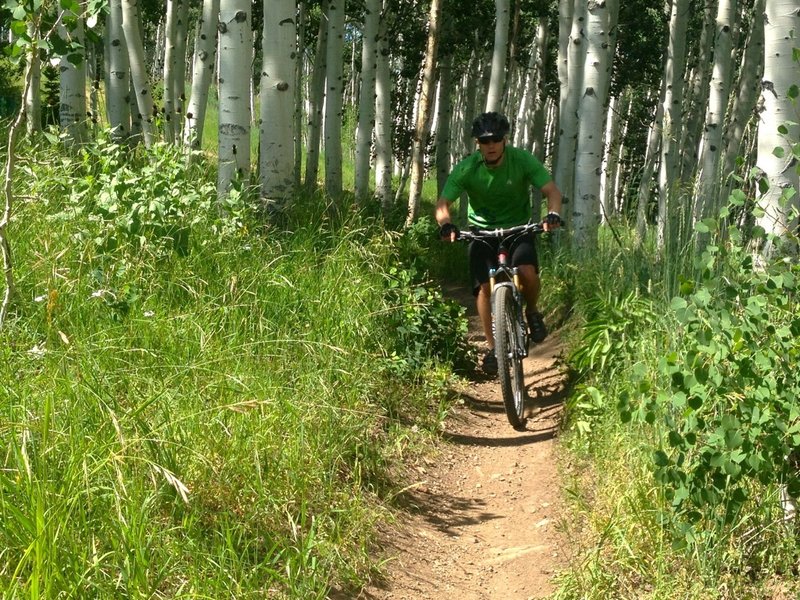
[{"x": 219, "y": 413}]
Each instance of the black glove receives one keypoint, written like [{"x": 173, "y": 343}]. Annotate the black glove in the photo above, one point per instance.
[
  {"x": 553, "y": 218},
  {"x": 446, "y": 229}
]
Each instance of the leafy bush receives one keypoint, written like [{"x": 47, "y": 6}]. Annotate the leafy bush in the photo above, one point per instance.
[
  {"x": 149, "y": 201},
  {"x": 731, "y": 408},
  {"x": 426, "y": 325},
  {"x": 711, "y": 388}
]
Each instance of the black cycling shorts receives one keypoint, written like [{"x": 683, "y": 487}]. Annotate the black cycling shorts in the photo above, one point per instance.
[{"x": 483, "y": 256}]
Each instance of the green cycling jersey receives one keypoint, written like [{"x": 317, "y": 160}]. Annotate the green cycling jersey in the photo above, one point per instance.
[{"x": 498, "y": 197}]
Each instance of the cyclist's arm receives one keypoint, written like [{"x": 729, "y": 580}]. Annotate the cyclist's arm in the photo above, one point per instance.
[
  {"x": 553, "y": 195},
  {"x": 442, "y": 211},
  {"x": 443, "y": 216}
]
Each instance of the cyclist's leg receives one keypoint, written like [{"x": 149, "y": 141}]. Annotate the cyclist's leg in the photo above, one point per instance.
[
  {"x": 531, "y": 286},
  {"x": 484, "y": 304},
  {"x": 482, "y": 256},
  {"x": 525, "y": 258}
]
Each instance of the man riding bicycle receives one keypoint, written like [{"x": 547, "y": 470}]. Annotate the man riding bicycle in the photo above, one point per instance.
[{"x": 497, "y": 180}]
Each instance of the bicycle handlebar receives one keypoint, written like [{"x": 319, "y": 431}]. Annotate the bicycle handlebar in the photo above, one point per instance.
[{"x": 500, "y": 233}]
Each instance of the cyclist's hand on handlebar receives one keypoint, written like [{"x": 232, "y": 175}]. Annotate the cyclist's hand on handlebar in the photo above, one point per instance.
[
  {"x": 552, "y": 221},
  {"x": 448, "y": 232}
]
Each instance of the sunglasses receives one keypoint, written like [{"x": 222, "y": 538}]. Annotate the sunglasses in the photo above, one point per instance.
[{"x": 494, "y": 139}]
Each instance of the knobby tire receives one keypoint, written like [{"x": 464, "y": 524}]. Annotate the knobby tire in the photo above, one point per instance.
[{"x": 509, "y": 361}]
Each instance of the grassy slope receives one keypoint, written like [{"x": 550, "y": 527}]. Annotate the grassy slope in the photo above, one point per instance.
[{"x": 218, "y": 424}]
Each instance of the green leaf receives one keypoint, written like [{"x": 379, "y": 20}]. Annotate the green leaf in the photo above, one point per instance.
[
  {"x": 681, "y": 494},
  {"x": 754, "y": 460},
  {"x": 660, "y": 458},
  {"x": 716, "y": 460},
  {"x": 702, "y": 297},
  {"x": 19, "y": 29},
  {"x": 678, "y": 380},
  {"x": 675, "y": 439},
  {"x": 731, "y": 468},
  {"x": 678, "y": 303},
  {"x": 738, "y": 456},
  {"x": 679, "y": 400}
]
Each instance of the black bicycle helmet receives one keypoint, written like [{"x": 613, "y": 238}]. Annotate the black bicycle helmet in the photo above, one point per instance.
[{"x": 490, "y": 124}]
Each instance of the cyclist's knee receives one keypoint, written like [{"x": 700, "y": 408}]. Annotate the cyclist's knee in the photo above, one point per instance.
[{"x": 528, "y": 270}]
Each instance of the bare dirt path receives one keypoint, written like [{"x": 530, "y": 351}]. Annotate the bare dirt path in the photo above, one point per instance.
[{"x": 482, "y": 521}]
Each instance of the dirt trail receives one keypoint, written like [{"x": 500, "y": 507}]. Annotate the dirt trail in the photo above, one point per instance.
[{"x": 482, "y": 521}]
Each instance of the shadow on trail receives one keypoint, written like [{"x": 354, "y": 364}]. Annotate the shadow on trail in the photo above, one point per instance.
[
  {"x": 445, "y": 511},
  {"x": 516, "y": 439}
]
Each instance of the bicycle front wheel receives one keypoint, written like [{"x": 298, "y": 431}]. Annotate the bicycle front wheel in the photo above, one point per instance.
[{"x": 509, "y": 356}]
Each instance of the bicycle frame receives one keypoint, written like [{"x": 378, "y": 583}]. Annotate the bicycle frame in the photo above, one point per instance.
[
  {"x": 505, "y": 274},
  {"x": 508, "y": 322}
]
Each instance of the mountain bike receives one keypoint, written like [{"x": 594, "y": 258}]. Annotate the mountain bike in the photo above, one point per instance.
[{"x": 508, "y": 319}]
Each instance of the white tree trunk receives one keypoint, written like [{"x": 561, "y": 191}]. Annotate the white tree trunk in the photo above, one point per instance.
[
  {"x": 515, "y": 75},
  {"x": 470, "y": 85},
  {"x": 383, "y": 121},
  {"x": 697, "y": 92},
  {"x": 572, "y": 73},
  {"x": 235, "y": 51},
  {"x": 72, "y": 85},
  {"x": 203, "y": 63},
  {"x": 333, "y": 99},
  {"x": 316, "y": 101},
  {"x": 620, "y": 173},
  {"x": 600, "y": 46},
  {"x": 118, "y": 82},
  {"x": 170, "y": 60},
  {"x": 608, "y": 165},
  {"x": 423, "y": 112},
  {"x": 494, "y": 99},
  {"x": 33, "y": 74},
  {"x": 299, "y": 93},
  {"x": 749, "y": 86},
  {"x": 444, "y": 118},
  {"x": 775, "y": 157},
  {"x": 133, "y": 41},
  {"x": 528, "y": 104},
  {"x": 707, "y": 188},
  {"x": 673, "y": 99},
  {"x": 157, "y": 66},
  {"x": 521, "y": 135},
  {"x": 540, "y": 102},
  {"x": 651, "y": 158},
  {"x": 279, "y": 46},
  {"x": 179, "y": 82},
  {"x": 366, "y": 101}
]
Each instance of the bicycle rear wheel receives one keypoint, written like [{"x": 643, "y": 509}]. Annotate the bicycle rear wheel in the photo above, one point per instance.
[{"x": 509, "y": 359}]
